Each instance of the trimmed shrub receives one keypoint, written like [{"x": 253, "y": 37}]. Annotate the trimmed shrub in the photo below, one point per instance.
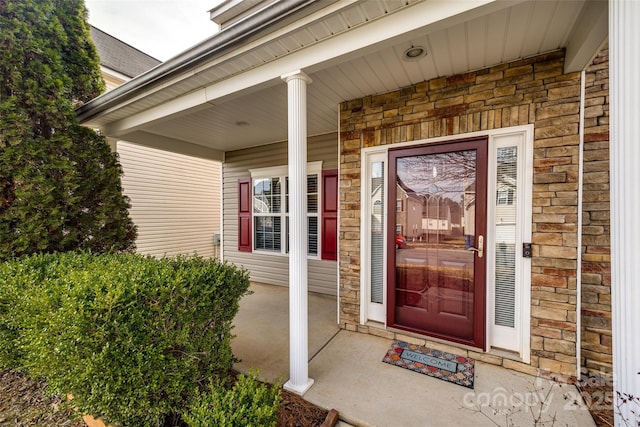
[
  {"x": 131, "y": 337},
  {"x": 248, "y": 403}
]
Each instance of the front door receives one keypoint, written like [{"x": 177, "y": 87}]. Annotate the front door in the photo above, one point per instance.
[{"x": 436, "y": 240}]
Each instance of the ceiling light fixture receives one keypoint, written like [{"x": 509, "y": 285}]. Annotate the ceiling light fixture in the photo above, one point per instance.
[{"x": 414, "y": 53}]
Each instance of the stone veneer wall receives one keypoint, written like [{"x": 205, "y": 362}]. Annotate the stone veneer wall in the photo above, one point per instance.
[
  {"x": 528, "y": 91},
  {"x": 596, "y": 251}
]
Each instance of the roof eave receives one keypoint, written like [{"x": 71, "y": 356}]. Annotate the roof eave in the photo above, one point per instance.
[{"x": 195, "y": 56}]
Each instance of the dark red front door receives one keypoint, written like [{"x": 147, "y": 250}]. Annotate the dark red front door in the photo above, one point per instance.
[{"x": 436, "y": 275}]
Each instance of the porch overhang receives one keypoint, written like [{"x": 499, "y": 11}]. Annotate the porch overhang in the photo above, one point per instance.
[{"x": 226, "y": 94}]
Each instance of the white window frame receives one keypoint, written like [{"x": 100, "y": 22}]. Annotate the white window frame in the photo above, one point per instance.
[
  {"x": 371, "y": 311},
  {"x": 517, "y": 339},
  {"x": 281, "y": 173}
]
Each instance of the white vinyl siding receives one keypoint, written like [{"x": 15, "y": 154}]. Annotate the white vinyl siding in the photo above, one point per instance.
[
  {"x": 175, "y": 200},
  {"x": 268, "y": 267}
]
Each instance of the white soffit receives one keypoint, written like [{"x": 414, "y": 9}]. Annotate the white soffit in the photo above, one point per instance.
[
  {"x": 347, "y": 32},
  {"x": 353, "y": 52}
]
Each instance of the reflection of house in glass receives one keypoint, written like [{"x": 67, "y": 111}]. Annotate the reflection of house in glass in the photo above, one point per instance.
[
  {"x": 377, "y": 203},
  {"x": 469, "y": 218},
  {"x": 432, "y": 194},
  {"x": 427, "y": 217},
  {"x": 408, "y": 212},
  {"x": 442, "y": 215},
  {"x": 505, "y": 197}
]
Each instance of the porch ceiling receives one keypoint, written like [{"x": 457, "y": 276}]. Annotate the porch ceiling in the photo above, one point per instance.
[{"x": 224, "y": 106}]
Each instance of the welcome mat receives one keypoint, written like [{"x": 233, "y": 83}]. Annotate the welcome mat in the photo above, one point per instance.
[{"x": 434, "y": 363}]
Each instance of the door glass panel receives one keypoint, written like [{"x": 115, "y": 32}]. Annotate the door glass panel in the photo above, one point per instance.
[
  {"x": 505, "y": 206},
  {"x": 435, "y": 236},
  {"x": 377, "y": 210}
]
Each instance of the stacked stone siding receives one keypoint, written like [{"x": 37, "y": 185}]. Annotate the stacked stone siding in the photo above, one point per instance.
[
  {"x": 528, "y": 91},
  {"x": 596, "y": 253}
]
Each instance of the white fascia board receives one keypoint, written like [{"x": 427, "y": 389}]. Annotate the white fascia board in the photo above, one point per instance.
[
  {"x": 436, "y": 14},
  {"x": 99, "y": 120},
  {"x": 589, "y": 32}
]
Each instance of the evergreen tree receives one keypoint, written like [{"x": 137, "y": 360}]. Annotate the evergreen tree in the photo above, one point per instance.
[{"x": 60, "y": 186}]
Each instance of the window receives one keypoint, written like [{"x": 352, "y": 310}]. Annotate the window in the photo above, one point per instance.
[
  {"x": 266, "y": 214},
  {"x": 271, "y": 209},
  {"x": 312, "y": 212},
  {"x": 373, "y": 224}
]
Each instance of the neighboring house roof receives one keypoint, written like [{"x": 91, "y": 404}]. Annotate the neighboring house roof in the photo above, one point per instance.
[
  {"x": 407, "y": 191},
  {"x": 119, "y": 56}
]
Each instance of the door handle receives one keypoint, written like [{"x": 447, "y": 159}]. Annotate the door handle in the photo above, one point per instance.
[{"x": 480, "y": 248}]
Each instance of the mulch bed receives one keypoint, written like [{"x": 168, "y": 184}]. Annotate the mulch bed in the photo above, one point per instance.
[
  {"x": 23, "y": 402},
  {"x": 599, "y": 400},
  {"x": 297, "y": 412}
]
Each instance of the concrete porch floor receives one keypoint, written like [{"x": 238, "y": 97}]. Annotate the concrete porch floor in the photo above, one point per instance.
[
  {"x": 350, "y": 376},
  {"x": 262, "y": 329}
]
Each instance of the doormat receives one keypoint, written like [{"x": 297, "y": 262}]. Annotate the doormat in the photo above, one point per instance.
[{"x": 434, "y": 363}]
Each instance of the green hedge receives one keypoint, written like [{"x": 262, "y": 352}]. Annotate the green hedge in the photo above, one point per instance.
[
  {"x": 131, "y": 337},
  {"x": 249, "y": 403}
]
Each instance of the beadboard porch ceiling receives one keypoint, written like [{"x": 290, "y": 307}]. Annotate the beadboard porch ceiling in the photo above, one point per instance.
[{"x": 350, "y": 49}]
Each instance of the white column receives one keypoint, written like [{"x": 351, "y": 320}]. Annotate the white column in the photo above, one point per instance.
[
  {"x": 624, "y": 84},
  {"x": 299, "y": 381}
]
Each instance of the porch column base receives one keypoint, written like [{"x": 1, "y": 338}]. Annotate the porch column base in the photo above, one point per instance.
[{"x": 299, "y": 389}]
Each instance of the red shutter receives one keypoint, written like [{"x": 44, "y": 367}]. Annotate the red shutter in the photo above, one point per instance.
[
  {"x": 330, "y": 214},
  {"x": 244, "y": 214}
]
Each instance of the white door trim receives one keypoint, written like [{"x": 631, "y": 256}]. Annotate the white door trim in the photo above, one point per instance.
[{"x": 524, "y": 220}]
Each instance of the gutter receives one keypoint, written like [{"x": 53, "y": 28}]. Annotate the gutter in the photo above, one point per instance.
[
  {"x": 580, "y": 220},
  {"x": 195, "y": 56}
]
